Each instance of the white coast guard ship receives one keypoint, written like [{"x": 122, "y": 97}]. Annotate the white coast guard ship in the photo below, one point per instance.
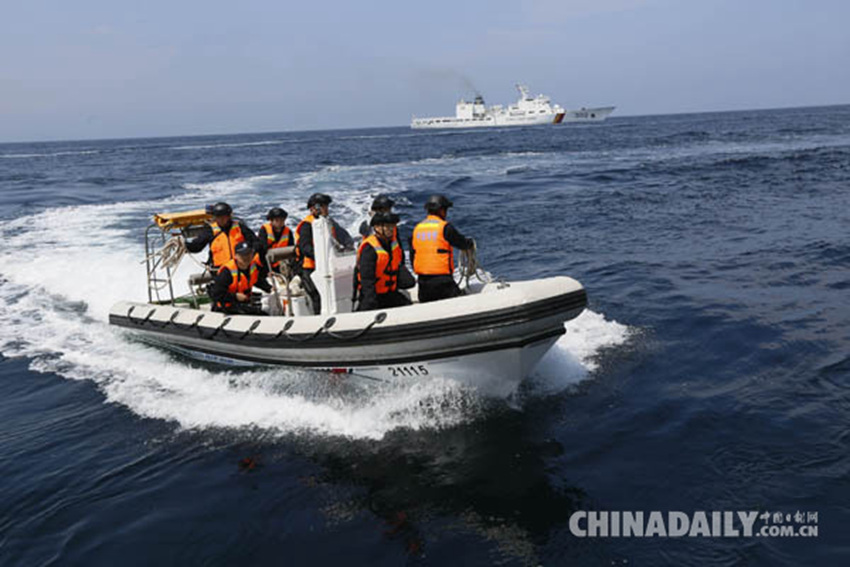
[{"x": 527, "y": 111}]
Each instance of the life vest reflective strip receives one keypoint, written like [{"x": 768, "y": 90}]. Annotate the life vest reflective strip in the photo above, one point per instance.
[
  {"x": 284, "y": 240},
  {"x": 386, "y": 266},
  {"x": 272, "y": 242},
  {"x": 239, "y": 281},
  {"x": 223, "y": 244},
  {"x": 433, "y": 253}
]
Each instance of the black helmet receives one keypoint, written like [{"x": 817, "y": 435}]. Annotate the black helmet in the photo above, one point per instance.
[
  {"x": 382, "y": 202},
  {"x": 243, "y": 248},
  {"x": 384, "y": 218},
  {"x": 220, "y": 210},
  {"x": 318, "y": 199},
  {"x": 437, "y": 202},
  {"x": 277, "y": 213}
]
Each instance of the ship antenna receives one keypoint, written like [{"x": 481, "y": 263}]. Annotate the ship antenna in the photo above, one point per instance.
[{"x": 523, "y": 91}]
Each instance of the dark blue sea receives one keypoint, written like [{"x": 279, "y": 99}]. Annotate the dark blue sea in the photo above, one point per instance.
[{"x": 711, "y": 371}]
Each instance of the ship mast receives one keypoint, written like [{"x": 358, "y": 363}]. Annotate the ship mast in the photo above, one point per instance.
[{"x": 523, "y": 92}]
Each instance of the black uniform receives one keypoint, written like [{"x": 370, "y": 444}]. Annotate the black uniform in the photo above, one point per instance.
[
  {"x": 205, "y": 238},
  {"x": 432, "y": 288},
  {"x": 306, "y": 250},
  {"x": 369, "y": 299},
  {"x": 263, "y": 243},
  {"x": 220, "y": 294}
]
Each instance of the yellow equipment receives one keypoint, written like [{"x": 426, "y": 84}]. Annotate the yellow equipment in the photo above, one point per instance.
[{"x": 168, "y": 221}]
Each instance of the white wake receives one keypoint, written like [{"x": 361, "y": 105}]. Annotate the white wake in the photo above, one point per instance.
[{"x": 61, "y": 270}]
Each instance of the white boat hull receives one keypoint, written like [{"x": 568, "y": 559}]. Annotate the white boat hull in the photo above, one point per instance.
[
  {"x": 489, "y": 341},
  {"x": 491, "y": 374}
]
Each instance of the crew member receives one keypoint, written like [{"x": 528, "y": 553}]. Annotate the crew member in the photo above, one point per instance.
[
  {"x": 432, "y": 254},
  {"x": 380, "y": 204},
  {"x": 380, "y": 262},
  {"x": 274, "y": 234},
  {"x": 231, "y": 289},
  {"x": 319, "y": 206},
  {"x": 222, "y": 236}
]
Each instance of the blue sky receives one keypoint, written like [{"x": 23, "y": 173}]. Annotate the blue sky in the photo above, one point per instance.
[{"x": 95, "y": 69}]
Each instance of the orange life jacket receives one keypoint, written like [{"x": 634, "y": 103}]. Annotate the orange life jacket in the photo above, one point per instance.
[
  {"x": 284, "y": 240},
  {"x": 306, "y": 262},
  {"x": 239, "y": 281},
  {"x": 386, "y": 266},
  {"x": 433, "y": 253},
  {"x": 223, "y": 245}
]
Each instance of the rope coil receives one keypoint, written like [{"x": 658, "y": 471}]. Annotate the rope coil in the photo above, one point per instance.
[
  {"x": 469, "y": 266},
  {"x": 169, "y": 256}
]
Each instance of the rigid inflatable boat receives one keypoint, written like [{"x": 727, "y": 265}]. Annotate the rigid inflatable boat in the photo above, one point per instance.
[{"x": 489, "y": 339}]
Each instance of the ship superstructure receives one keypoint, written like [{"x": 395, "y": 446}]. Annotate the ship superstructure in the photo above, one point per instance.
[{"x": 526, "y": 111}]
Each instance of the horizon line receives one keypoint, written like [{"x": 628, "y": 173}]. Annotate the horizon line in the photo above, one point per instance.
[{"x": 256, "y": 133}]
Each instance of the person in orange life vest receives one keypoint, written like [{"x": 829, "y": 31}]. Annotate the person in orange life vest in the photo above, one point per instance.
[
  {"x": 431, "y": 251},
  {"x": 319, "y": 206},
  {"x": 231, "y": 288},
  {"x": 380, "y": 204},
  {"x": 222, "y": 236},
  {"x": 274, "y": 234},
  {"x": 380, "y": 261}
]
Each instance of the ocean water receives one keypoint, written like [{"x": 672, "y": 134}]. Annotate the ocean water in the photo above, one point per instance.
[{"x": 711, "y": 370}]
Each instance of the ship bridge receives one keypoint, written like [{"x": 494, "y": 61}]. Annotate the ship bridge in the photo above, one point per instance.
[{"x": 471, "y": 110}]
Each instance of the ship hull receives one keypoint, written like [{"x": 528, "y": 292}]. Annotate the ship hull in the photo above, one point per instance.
[
  {"x": 588, "y": 114},
  {"x": 598, "y": 114},
  {"x": 491, "y": 121}
]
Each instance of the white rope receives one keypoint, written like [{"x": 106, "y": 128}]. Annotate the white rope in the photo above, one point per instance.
[
  {"x": 469, "y": 266},
  {"x": 172, "y": 253},
  {"x": 169, "y": 257}
]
